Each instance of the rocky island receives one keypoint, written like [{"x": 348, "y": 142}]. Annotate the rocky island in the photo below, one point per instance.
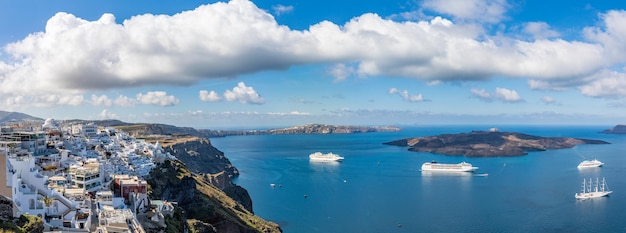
[
  {"x": 618, "y": 129},
  {"x": 488, "y": 143}
]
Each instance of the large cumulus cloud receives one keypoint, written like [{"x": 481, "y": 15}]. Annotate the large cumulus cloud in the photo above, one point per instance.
[{"x": 73, "y": 56}]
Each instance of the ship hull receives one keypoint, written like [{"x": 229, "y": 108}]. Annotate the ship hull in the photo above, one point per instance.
[
  {"x": 592, "y": 195},
  {"x": 439, "y": 167}
]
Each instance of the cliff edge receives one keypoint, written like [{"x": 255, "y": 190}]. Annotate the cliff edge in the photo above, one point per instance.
[
  {"x": 202, "y": 158},
  {"x": 206, "y": 207}
]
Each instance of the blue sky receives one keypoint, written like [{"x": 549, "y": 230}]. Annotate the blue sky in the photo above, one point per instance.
[{"x": 241, "y": 63}]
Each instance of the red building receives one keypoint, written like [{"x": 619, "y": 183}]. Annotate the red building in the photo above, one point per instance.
[{"x": 124, "y": 185}]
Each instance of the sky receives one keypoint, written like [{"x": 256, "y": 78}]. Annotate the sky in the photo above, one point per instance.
[{"x": 252, "y": 64}]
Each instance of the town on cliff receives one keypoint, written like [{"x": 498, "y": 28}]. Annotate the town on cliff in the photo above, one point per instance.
[{"x": 84, "y": 177}]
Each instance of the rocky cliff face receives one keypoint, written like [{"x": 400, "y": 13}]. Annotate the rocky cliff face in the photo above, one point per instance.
[
  {"x": 488, "y": 144},
  {"x": 223, "y": 182},
  {"x": 201, "y": 157},
  {"x": 207, "y": 208}
]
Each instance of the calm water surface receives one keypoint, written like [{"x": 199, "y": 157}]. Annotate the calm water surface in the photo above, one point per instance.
[{"x": 379, "y": 188}]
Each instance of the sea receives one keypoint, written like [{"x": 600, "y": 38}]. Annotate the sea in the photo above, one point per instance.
[{"x": 380, "y": 188}]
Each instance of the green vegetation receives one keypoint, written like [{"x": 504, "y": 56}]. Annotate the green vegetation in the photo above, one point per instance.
[
  {"x": 24, "y": 224},
  {"x": 8, "y": 226},
  {"x": 175, "y": 222}
]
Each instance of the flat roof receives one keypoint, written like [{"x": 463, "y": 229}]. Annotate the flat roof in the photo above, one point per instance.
[
  {"x": 136, "y": 182},
  {"x": 57, "y": 178}
]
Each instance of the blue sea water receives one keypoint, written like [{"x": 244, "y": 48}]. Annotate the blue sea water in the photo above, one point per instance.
[{"x": 379, "y": 188}]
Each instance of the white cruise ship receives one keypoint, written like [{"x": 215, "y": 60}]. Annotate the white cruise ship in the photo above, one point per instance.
[
  {"x": 329, "y": 157},
  {"x": 443, "y": 167},
  {"x": 593, "y": 189},
  {"x": 590, "y": 163}
]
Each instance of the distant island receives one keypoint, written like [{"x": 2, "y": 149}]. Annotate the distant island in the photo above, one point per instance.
[
  {"x": 488, "y": 143},
  {"x": 146, "y": 129},
  {"x": 618, "y": 129},
  {"x": 142, "y": 129}
]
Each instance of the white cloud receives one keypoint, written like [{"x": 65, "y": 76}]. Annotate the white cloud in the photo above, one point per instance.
[
  {"x": 341, "y": 72},
  {"x": 157, "y": 98},
  {"x": 125, "y": 101},
  {"x": 611, "y": 34},
  {"x": 548, "y": 100},
  {"x": 606, "y": 84},
  {"x": 207, "y": 96},
  {"x": 73, "y": 56},
  {"x": 280, "y": 9},
  {"x": 51, "y": 100},
  {"x": 539, "y": 30},
  {"x": 106, "y": 114},
  {"x": 481, "y": 94},
  {"x": 243, "y": 94},
  {"x": 491, "y": 11},
  {"x": 292, "y": 113},
  {"x": 405, "y": 95},
  {"x": 102, "y": 100},
  {"x": 507, "y": 95},
  {"x": 502, "y": 94},
  {"x": 15, "y": 101}
]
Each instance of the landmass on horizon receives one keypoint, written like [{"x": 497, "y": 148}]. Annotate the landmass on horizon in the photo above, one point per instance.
[
  {"x": 488, "y": 143},
  {"x": 618, "y": 129}
]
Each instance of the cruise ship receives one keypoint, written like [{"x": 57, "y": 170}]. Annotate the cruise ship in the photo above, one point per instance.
[
  {"x": 443, "y": 167},
  {"x": 329, "y": 157},
  {"x": 590, "y": 163}
]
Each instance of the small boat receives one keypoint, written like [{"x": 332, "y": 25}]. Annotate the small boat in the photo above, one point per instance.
[
  {"x": 329, "y": 157},
  {"x": 592, "y": 189},
  {"x": 443, "y": 167},
  {"x": 590, "y": 163}
]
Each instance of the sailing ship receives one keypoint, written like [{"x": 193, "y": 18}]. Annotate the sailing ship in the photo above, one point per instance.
[{"x": 592, "y": 189}]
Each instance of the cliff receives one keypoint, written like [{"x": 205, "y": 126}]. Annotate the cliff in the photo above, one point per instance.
[
  {"x": 206, "y": 207},
  {"x": 488, "y": 144},
  {"x": 200, "y": 157},
  {"x": 618, "y": 129},
  {"x": 197, "y": 153}
]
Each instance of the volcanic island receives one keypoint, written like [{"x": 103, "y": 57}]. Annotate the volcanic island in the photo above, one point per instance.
[{"x": 491, "y": 143}]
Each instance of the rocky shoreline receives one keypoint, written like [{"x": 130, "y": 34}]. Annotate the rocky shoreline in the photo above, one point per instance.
[{"x": 488, "y": 144}]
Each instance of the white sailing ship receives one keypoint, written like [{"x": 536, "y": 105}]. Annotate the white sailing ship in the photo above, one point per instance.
[{"x": 592, "y": 189}]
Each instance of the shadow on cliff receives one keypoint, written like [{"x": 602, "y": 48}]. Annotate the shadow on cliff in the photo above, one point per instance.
[{"x": 207, "y": 208}]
